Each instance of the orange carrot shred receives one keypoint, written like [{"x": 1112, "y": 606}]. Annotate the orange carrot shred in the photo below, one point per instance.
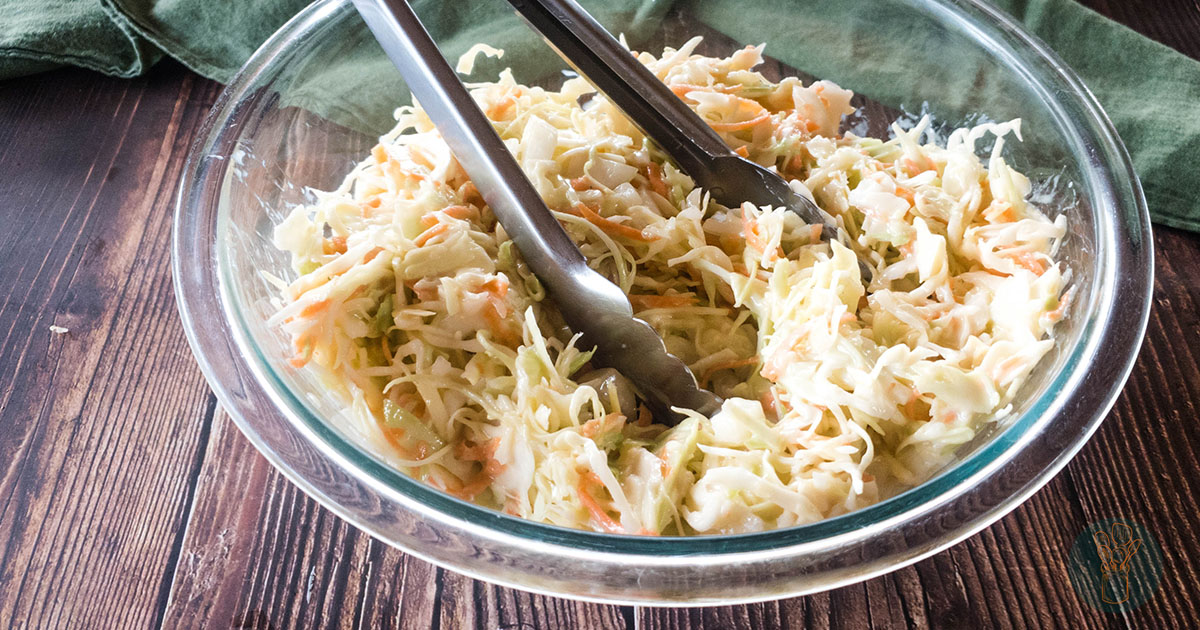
[
  {"x": 606, "y": 522},
  {"x": 726, "y": 365},
  {"x": 741, "y": 124},
  {"x": 1027, "y": 260},
  {"x": 314, "y": 308},
  {"x": 753, "y": 239},
  {"x": 642, "y": 302},
  {"x": 644, "y": 416},
  {"x": 612, "y": 227},
  {"x": 430, "y": 234},
  {"x": 654, "y": 174}
]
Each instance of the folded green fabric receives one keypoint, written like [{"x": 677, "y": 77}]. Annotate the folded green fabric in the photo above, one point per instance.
[{"x": 1151, "y": 92}]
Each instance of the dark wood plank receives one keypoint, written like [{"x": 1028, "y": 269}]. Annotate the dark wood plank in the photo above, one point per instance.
[
  {"x": 267, "y": 556},
  {"x": 101, "y": 428}
]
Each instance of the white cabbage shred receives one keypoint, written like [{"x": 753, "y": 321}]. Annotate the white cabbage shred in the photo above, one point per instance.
[{"x": 417, "y": 309}]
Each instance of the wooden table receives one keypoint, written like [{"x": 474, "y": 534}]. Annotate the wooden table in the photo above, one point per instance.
[{"x": 128, "y": 499}]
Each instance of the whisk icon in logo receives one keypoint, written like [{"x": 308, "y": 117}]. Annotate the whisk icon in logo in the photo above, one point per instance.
[
  {"x": 1116, "y": 550},
  {"x": 1115, "y": 564}
]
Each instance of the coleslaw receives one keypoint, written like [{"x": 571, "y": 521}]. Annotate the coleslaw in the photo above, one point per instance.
[{"x": 413, "y": 305}]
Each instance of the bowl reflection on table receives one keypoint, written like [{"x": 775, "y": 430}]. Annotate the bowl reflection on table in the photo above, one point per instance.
[{"x": 313, "y": 100}]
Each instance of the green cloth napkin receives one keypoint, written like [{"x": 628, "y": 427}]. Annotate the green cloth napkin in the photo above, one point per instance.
[{"x": 1152, "y": 93}]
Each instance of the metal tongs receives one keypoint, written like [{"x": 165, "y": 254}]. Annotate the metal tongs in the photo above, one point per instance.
[{"x": 589, "y": 303}]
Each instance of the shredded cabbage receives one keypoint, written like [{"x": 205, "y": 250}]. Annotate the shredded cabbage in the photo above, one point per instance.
[{"x": 459, "y": 370}]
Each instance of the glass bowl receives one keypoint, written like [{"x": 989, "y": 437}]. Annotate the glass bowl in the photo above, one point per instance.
[{"x": 312, "y": 101}]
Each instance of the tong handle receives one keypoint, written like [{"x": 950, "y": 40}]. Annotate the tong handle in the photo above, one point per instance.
[
  {"x": 613, "y": 69},
  {"x": 470, "y": 135},
  {"x": 587, "y": 300}
]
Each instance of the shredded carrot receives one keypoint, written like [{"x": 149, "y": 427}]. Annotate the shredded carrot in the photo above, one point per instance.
[
  {"x": 915, "y": 168},
  {"x": 496, "y": 314},
  {"x": 499, "y": 326},
  {"x": 459, "y": 212},
  {"x": 1007, "y": 369},
  {"x": 644, "y": 416},
  {"x": 303, "y": 346},
  {"x": 654, "y": 174},
  {"x": 431, "y": 233},
  {"x": 592, "y": 427},
  {"x": 471, "y": 490},
  {"x": 641, "y": 302},
  {"x": 741, "y": 124},
  {"x": 496, "y": 111},
  {"x": 819, "y": 90},
  {"x": 335, "y": 245},
  {"x": 742, "y": 151},
  {"x": 776, "y": 364},
  {"x": 580, "y": 184},
  {"x": 372, "y": 203},
  {"x": 1000, "y": 212},
  {"x": 682, "y": 89},
  {"x": 476, "y": 452},
  {"x": 379, "y": 153},
  {"x": 606, "y": 522},
  {"x": 395, "y": 437},
  {"x": 497, "y": 287},
  {"x": 753, "y": 239},
  {"x": 456, "y": 212},
  {"x": 794, "y": 164},
  {"x": 485, "y": 454},
  {"x": 725, "y": 365},
  {"x": 314, "y": 308},
  {"x": 814, "y": 232},
  {"x": 1063, "y": 303},
  {"x": 420, "y": 156},
  {"x": 911, "y": 410},
  {"x": 369, "y": 256},
  {"x": 1028, "y": 260},
  {"x": 906, "y": 195},
  {"x": 612, "y": 227}
]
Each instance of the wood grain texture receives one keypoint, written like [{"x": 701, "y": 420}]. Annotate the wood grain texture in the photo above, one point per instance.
[
  {"x": 128, "y": 500},
  {"x": 102, "y": 427},
  {"x": 264, "y": 555}
]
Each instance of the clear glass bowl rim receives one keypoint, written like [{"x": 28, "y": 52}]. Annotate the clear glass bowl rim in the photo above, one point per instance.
[{"x": 1126, "y": 254}]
